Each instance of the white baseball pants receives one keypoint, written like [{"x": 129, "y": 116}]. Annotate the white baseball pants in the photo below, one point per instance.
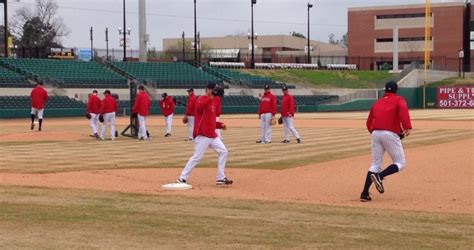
[
  {"x": 142, "y": 127},
  {"x": 168, "y": 123},
  {"x": 109, "y": 118},
  {"x": 201, "y": 144},
  {"x": 94, "y": 123},
  {"x": 386, "y": 141},
  {"x": 35, "y": 111},
  {"x": 265, "y": 127},
  {"x": 218, "y": 131},
  {"x": 289, "y": 127},
  {"x": 190, "y": 127}
]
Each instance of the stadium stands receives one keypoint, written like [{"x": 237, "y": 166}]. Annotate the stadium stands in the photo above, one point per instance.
[
  {"x": 23, "y": 102},
  {"x": 66, "y": 73},
  {"x": 286, "y": 66},
  {"x": 168, "y": 75},
  {"x": 245, "y": 79},
  {"x": 11, "y": 79},
  {"x": 341, "y": 67}
]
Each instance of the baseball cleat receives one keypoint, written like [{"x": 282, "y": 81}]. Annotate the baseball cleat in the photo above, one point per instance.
[
  {"x": 167, "y": 135},
  {"x": 365, "y": 197},
  {"x": 224, "y": 182},
  {"x": 285, "y": 141},
  {"x": 32, "y": 126},
  {"x": 259, "y": 141},
  {"x": 181, "y": 180},
  {"x": 378, "y": 182},
  {"x": 298, "y": 140}
]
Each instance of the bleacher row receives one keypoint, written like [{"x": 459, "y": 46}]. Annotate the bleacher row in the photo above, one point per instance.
[{"x": 23, "y": 102}]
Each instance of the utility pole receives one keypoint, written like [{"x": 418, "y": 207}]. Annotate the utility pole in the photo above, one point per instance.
[
  {"x": 92, "y": 44},
  {"x": 252, "y": 63},
  {"x": 309, "y": 44},
  {"x": 107, "y": 43}
]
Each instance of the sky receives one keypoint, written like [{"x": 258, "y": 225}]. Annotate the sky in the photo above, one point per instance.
[{"x": 169, "y": 18}]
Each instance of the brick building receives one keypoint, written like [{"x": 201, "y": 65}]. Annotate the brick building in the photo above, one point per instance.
[{"x": 370, "y": 35}]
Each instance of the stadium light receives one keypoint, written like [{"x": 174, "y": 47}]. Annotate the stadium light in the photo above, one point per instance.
[
  {"x": 252, "y": 63},
  {"x": 309, "y": 43},
  {"x": 195, "y": 34},
  {"x": 107, "y": 43},
  {"x": 5, "y": 26},
  {"x": 124, "y": 34},
  {"x": 184, "y": 48}
]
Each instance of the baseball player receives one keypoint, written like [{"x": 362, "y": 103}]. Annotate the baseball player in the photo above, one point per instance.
[
  {"x": 141, "y": 108},
  {"x": 107, "y": 110},
  {"x": 205, "y": 137},
  {"x": 93, "y": 108},
  {"x": 167, "y": 109},
  {"x": 287, "y": 115},
  {"x": 388, "y": 122},
  {"x": 189, "y": 113},
  {"x": 217, "y": 100},
  {"x": 266, "y": 111},
  {"x": 38, "y": 98}
]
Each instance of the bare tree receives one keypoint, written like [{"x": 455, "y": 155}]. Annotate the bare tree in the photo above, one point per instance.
[{"x": 39, "y": 26}]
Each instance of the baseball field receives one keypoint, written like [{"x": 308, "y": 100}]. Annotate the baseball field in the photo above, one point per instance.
[{"x": 60, "y": 188}]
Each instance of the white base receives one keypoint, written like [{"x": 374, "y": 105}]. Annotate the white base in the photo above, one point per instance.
[{"x": 176, "y": 186}]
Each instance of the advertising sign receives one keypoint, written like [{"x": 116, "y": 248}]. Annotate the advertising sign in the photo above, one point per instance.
[
  {"x": 84, "y": 54},
  {"x": 456, "y": 97}
]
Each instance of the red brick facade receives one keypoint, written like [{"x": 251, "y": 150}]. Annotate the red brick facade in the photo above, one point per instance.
[{"x": 447, "y": 35}]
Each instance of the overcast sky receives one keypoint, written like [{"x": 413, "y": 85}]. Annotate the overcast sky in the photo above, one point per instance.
[{"x": 169, "y": 18}]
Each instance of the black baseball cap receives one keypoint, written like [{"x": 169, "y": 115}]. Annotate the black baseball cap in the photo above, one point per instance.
[
  {"x": 284, "y": 88},
  {"x": 190, "y": 90},
  {"x": 107, "y": 92},
  {"x": 391, "y": 86},
  {"x": 94, "y": 91},
  {"x": 266, "y": 86},
  {"x": 164, "y": 95},
  {"x": 211, "y": 85},
  {"x": 141, "y": 87}
]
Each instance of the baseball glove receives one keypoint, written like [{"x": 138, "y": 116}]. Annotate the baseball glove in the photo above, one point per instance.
[
  {"x": 401, "y": 135},
  {"x": 88, "y": 116},
  {"x": 185, "y": 120},
  {"x": 280, "y": 120},
  {"x": 273, "y": 121},
  {"x": 101, "y": 118}
]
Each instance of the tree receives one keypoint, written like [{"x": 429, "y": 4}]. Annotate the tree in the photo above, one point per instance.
[
  {"x": 332, "y": 39},
  {"x": 38, "y": 27},
  {"x": 342, "y": 42},
  {"x": 297, "y": 34}
]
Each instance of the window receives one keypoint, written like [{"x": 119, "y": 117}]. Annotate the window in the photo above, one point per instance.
[
  {"x": 401, "y": 39},
  {"x": 396, "y": 16}
]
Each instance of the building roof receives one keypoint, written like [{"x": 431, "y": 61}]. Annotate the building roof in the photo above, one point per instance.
[
  {"x": 457, "y": 3},
  {"x": 281, "y": 42}
]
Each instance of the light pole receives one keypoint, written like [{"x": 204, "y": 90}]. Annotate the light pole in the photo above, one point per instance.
[
  {"x": 92, "y": 44},
  {"x": 107, "y": 43},
  {"x": 184, "y": 47},
  {"x": 309, "y": 44},
  {"x": 195, "y": 34},
  {"x": 461, "y": 62},
  {"x": 124, "y": 33},
  {"x": 5, "y": 25},
  {"x": 198, "y": 45},
  {"x": 252, "y": 63}
]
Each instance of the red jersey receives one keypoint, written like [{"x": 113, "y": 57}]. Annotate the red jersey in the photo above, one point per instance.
[
  {"x": 205, "y": 118},
  {"x": 191, "y": 105},
  {"x": 93, "y": 105},
  {"x": 268, "y": 104},
  {"x": 38, "y": 97},
  {"x": 142, "y": 104},
  {"x": 109, "y": 105},
  {"x": 287, "y": 105},
  {"x": 389, "y": 113},
  {"x": 167, "y": 106},
  {"x": 217, "y": 101}
]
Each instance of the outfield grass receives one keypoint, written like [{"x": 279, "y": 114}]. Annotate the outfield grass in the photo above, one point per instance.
[
  {"x": 47, "y": 218},
  {"x": 326, "y": 79},
  {"x": 453, "y": 81}
]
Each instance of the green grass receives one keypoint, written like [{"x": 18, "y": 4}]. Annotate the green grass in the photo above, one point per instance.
[
  {"x": 326, "y": 79},
  {"x": 55, "y": 218},
  {"x": 453, "y": 82}
]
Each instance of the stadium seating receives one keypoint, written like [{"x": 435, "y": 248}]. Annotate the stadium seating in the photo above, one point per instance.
[
  {"x": 66, "y": 73},
  {"x": 246, "y": 79},
  {"x": 168, "y": 75},
  {"x": 23, "y": 102},
  {"x": 11, "y": 79}
]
